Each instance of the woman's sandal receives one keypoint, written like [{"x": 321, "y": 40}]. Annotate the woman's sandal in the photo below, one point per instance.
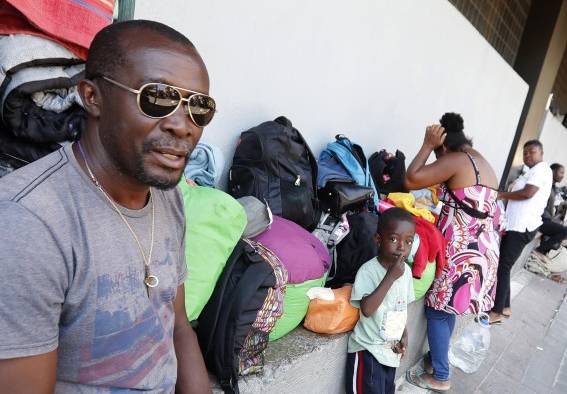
[
  {"x": 557, "y": 278},
  {"x": 415, "y": 378},
  {"x": 494, "y": 322}
]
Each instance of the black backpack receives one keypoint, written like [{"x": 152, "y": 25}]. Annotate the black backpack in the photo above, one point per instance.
[
  {"x": 388, "y": 172},
  {"x": 234, "y": 326},
  {"x": 355, "y": 249},
  {"x": 272, "y": 162}
]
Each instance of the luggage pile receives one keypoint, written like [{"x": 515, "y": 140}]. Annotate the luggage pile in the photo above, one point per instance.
[
  {"x": 42, "y": 57},
  {"x": 289, "y": 226},
  {"x": 282, "y": 247}
]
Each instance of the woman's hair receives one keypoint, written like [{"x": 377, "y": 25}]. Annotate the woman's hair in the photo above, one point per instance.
[{"x": 454, "y": 125}]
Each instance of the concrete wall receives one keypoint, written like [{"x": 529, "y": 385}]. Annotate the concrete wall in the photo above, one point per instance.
[
  {"x": 376, "y": 70},
  {"x": 554, "y": 140}
]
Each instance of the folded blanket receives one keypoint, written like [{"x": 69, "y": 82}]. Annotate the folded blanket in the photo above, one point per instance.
[
  {"x": 13, "y": 21},
  {"x": 205, "y": 165},
  {"x": 57, "y": 100},
  {"x": 71, "y": 21}
]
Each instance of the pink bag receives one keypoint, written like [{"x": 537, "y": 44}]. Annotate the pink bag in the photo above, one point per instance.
[{"x": 301, "y": 252}]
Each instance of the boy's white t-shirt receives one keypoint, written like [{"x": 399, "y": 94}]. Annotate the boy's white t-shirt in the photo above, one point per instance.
[{"x": 374, "y": 333}]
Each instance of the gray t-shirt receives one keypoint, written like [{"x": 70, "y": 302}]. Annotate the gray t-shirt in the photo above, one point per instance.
[{"x": 72, "y": 279}]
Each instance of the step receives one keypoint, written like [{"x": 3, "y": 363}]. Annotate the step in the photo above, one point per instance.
[{"x": 305, "y": 362}]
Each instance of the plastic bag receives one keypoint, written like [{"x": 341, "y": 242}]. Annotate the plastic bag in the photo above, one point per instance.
[
  {"x": 332, "y": 317},
  {"x": 469, "y": 350}
]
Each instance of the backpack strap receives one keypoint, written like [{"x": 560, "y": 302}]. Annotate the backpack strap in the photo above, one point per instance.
[
  {"x": 355, "y": 149},
  {"x": 312, "y": 161},
  {"x": 248, "y": 285}
]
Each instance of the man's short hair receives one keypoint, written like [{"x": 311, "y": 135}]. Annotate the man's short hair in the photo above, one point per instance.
[
  {"x": 391, "y": 216},
  {"x": 556, "y": 166},
  {"x": 106, "y": 53},
  {"x": 533, "y": 143}
]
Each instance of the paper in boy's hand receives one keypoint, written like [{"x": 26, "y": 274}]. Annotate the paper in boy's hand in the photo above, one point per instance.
[{"x": 394, "y": 324}]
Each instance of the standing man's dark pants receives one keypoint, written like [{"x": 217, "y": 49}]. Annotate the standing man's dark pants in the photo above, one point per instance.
[
  {"x": 555, "y": 234},
  {"x": 511, "y": 247}
]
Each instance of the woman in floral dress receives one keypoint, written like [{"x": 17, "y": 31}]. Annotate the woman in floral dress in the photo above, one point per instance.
[{"x": 469, "y": 223}]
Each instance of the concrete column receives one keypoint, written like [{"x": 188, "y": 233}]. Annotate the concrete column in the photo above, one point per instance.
[
  {"x": 126, "y": 10},
  {"x": 539, "y": 57}
]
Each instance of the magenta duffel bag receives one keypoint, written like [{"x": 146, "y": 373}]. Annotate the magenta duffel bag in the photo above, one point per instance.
[{"x": 301, "y": 253}]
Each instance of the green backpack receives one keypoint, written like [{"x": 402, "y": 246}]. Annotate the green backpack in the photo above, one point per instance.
[
  {"x": 296, "y": 303},
  {"x": 420, "y": 286},
  {"x": 214, "y": 223}
]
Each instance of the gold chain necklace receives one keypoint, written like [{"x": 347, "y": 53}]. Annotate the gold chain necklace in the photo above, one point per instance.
[{"x": 149, "y": 280}]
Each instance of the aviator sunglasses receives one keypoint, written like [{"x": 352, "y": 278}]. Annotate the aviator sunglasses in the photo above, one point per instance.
[{"x": 159, "y": 100}]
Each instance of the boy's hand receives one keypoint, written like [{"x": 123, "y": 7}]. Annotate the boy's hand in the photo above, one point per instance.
[
  {"x": 397, "y": 270},
  {"x": 401, "y": 346}
]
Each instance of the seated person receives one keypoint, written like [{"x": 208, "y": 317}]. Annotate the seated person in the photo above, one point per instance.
[{"x": 553, "y": 230}]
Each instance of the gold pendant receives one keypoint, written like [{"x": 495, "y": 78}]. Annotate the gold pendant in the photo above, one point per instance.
[{"x": 151, "y": 281}]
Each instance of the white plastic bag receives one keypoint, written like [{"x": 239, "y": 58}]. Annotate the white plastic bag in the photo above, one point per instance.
[{"x": 470, "y": 349}]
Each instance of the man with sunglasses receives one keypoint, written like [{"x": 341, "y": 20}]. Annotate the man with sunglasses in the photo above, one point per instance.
[{"x": 93, "y": 254}]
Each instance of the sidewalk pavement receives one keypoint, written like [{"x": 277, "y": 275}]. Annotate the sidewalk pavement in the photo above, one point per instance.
[{"x": 528, "y": 352}]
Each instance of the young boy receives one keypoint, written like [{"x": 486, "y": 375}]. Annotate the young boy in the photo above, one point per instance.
[{"x": 382, "y": 290}]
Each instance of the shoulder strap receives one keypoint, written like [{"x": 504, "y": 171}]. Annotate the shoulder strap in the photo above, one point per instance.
[
  {"x": 211, "y": 314},
  {"x": 476, "y": 172},
  {"x": 312, "y": 160},
  {"x": 475, "y": 213},
  {"x": 249, "y": 284}
]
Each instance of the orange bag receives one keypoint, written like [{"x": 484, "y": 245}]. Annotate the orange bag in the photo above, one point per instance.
[{"x": 332, "y": 317}]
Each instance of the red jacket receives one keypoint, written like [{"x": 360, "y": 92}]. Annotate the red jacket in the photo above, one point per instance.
[{"x": 432, "y": 247}]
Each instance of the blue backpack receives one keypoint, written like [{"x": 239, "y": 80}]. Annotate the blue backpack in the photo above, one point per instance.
[{"x": 344, "y": 161}]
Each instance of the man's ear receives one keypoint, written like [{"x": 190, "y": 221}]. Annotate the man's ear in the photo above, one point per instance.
[{"x": 91, "y": 97}]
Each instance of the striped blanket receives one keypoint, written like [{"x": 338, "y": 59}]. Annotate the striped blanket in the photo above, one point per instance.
[{"x": 72, "y": 23}]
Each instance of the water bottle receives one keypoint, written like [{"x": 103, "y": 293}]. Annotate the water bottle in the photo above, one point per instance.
[{"x": 471, "y": 348}]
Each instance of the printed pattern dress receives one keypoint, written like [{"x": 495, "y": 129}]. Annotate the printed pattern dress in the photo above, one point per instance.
[{"x": 467, "y": 284}]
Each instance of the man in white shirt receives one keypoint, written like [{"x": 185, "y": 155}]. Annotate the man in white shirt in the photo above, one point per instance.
[{"x": 527, "y": 200}]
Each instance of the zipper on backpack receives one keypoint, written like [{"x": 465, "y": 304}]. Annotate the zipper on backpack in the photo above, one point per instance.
[{"x": 298, "y": 181}]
